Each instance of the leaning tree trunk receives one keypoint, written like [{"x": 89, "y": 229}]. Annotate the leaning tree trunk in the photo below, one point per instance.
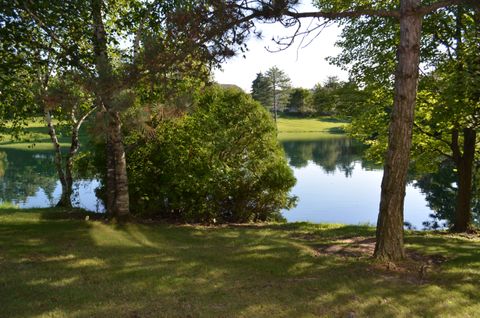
[
  {"x": 464, "y": 165},
  {"x": 389, "y": 244},
  {"x": 65, "y": 198},
  {"x": 118, "y": 188},
  {"x": 74, "y": 147}
]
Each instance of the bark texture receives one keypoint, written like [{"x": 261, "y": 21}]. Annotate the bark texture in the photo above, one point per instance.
[
  {"x": 389, "y": 244},
  {"x": 121, "y": 203},
  {"x": 117, "y": 180},
  {"x": 110, "y": 178}
]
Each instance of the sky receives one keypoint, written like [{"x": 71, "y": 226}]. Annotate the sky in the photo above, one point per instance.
[{"x": 306, "y": 66}]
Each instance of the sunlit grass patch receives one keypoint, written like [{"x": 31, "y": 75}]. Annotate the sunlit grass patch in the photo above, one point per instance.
[
  {"x": 62, "y": 267},
  {"x": 310, "y": 128}
]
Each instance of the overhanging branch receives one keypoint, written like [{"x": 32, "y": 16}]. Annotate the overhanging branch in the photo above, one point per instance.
[{"x": 344, "y": 14}]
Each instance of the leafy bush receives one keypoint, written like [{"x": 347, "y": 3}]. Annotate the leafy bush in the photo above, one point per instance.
[{"x": 220, "y": 162}]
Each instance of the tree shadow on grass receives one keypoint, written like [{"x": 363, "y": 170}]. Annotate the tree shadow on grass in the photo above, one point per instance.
[
  {"x": 332, "y": 120},
  {"x": 91, "y": 269},
  {"x": 336, "y": 131}
]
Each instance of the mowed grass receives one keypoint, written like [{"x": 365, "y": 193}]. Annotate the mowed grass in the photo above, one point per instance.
[
  {"x": 34, "y": 137},
  {"x": 55, "y": 267},
  {"x": 310, "y": 128}
]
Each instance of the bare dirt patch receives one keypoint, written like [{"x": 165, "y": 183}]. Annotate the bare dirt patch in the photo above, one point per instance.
[
  {"x": 349, "y": 247},
  {"x": 416, "y": 268}
]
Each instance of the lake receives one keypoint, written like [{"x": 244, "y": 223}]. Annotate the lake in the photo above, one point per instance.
[
  {"x": 28, "y": 179},
  {"x": 334, "y": 183}
]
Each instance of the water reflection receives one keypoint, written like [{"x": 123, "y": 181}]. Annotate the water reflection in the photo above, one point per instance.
[
  {"x": 335, "y": 185},
  {"x": 441, "y": 191},
  {"x": 332, "y": 154},
  {"x": 23, "y": 173},
  {"x": 29, "y": 179}
]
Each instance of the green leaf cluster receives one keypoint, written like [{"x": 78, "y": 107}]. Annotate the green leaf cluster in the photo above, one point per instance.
[{"x": 221, "y": 163}]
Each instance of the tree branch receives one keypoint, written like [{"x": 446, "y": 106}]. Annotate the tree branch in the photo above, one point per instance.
[
  {"x": 344, "y": 14},
  {"x": 423, "y": 131},
  {"x": 423, "y": 10},
  {"x": 51, "y": 34}
]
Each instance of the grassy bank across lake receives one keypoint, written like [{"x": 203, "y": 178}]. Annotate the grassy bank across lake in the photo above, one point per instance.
[
  {"x": 53, "y": 266},
  {"x": 35, "y": 137},
  {"x": 310, "y": 128}
]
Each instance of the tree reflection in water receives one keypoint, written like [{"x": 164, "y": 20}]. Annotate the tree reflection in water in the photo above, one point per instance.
[
  {"x": 341, "y": 155},
  {"x": 23, "y": 173},
  {"x": 440, "y": 189},
  {"x": 331, "y": 154},
  {"x": 28, "y": 179}
]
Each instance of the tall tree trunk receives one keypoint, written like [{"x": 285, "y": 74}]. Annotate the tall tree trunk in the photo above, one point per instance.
[
  {"x": 110, "y": 181},
  {"x": 464, "y": 157},
  {"x": 121, "y": 205},
  {"x": 116, "y": 179},
  {"x": 65, "y": 198},
  {"x": 110, "y": 166},
  {"x": 389, "y": 243},
  {"x": 464, "y": 165}
]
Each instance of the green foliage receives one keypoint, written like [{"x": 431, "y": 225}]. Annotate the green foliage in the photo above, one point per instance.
[
  {"x": 262, "y": 90},
  {"x": 338, "y": 98},
  {"x": 300, "y": 101},
  {"x": 220, "y": 162},
  {"x": 448, "y": 101},
  {"x": 272, "y": 89},
  {"x": 370, "y": 122},
  {"x": 280, "y": 86}
]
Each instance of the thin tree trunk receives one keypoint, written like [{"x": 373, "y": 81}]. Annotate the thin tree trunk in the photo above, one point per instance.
[
  {"x": 65, "y": 198},
  {"x": 74, "y": 147},
  {"x": 464, "y": 165},
  {"x": 117, "y": 180},
  {"x": 389, "y": 244},
  {"x": 275, "y": 103}
]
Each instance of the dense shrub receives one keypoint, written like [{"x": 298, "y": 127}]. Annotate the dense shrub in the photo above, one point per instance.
[{"x": 220, "y": 162}]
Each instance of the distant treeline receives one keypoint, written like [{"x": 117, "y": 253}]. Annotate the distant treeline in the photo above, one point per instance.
[{"x": 332, "y": 97}]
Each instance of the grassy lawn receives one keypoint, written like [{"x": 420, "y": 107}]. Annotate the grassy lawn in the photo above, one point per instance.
[
  {"x": 35, "y": 137},
  {"x": 55, "y": 267},
  {"x": 310, "y": 128}
]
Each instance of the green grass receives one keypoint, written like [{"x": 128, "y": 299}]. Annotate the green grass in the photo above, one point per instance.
[
  {"x": 55, "y": 267},
  {"x": 34, "y": 137},
  {"x": 310, "y": 128}
]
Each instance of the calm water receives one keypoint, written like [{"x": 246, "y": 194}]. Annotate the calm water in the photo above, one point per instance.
[
  {"x": 333, "y": 183},
  {"x": 29, "y": 180}
]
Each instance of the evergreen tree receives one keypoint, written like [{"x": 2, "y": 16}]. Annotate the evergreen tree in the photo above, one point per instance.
[
  {"x": 272, "y": 90},
  {"x": 262, "y": 90}
]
